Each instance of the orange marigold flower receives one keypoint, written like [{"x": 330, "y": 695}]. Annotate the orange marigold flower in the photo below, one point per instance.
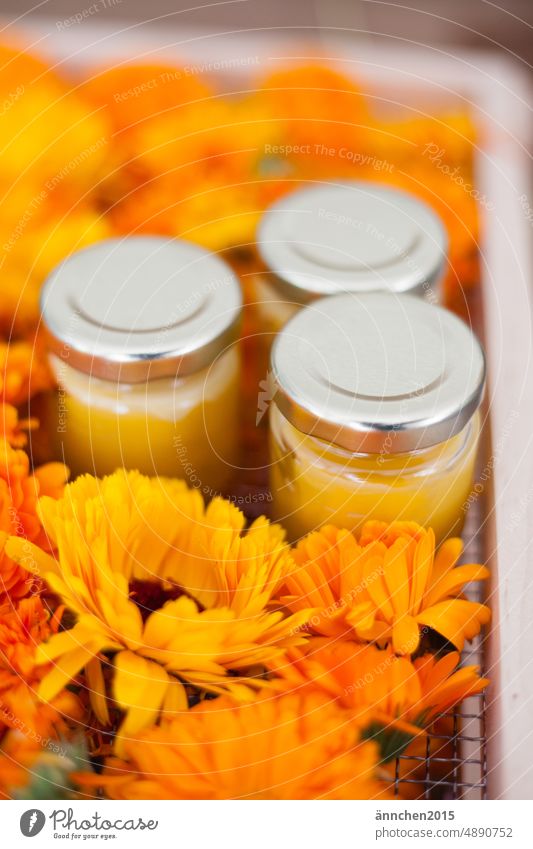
[
  {"x": 288, "y": 747},
  {"x": 12, "y": 429},
  {"x": 22, "y": 628},
  {"x": 133, "y": 93},
  {"x": 424, "y": 142},
  {"x": 18, "y": 64},
  {"x": 385, "y": 586},
  {"x": 213, "y": 216},
  {"x": 316, "y": 106},
  {"x": 377, "y": 685},
  {"x": 19, "y": 494},
  {"x": 171, "y": 590},
  {"x": 23, "y": 372},
  {"x": 454, "y": 201},
  {"x": 216, "y": 140}
]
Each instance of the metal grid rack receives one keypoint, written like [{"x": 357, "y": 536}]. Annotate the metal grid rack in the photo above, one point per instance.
[{"x": 453, "y": 764}]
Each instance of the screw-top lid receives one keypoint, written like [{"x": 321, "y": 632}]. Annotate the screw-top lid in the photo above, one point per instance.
[
  {"x": 352, "y": 237},
  {"x": 138, "y": 308},
  {"x": 377, "y": 372}
]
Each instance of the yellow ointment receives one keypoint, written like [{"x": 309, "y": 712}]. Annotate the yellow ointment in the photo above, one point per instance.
[
  {"x": 374, "y": 414},
  {"x": 143, "y": 335},
  {"x": 185, "y": 428},
  {"x": 315, "y": 483}
]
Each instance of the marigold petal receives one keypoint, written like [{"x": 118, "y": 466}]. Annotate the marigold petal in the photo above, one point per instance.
[
  {"x": 396, "y": 576},
  {"x": 422, "y": 567},
  {"x": 405, "y": 635},
  {"x": 139, "y": 687},
  {"x": 453, "y": 582},
  {"x": 456, "y": 620},
  {"x": 66, "y": 667},
  {"x": 176, "y": 700},
  {"x": 375, "y": 585},
  {"x": 97, "y": 692},
  {"x": 30, "y": 556},
  {"x": 447, "y": 555}
]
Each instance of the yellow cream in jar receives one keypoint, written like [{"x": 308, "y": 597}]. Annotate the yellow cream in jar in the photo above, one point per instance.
[
  {"x": 316, "y": 483},
  {"x": 375, "y": 415},
  {"x": 152, "y": 427},
  {"x": 143, "y": 347}
]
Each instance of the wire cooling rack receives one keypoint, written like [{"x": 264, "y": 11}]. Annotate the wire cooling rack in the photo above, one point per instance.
[{"x": 453, "y": 762}]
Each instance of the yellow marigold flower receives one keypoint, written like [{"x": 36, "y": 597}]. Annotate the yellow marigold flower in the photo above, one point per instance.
[
  {"x": 50, "y": 134},
  {"x": 377, "y": 685},
  {"x": 19, "y": 494},
  {"x": 22, "y": 628},
  {"x": 172, "y": 590},
  {"x": 385, "y": 586},
  {"x": 60, "y": 227},
  {"x": 289, "y": 747}
]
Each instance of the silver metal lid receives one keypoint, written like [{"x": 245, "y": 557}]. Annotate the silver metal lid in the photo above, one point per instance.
[
  {"x": 139, "y": 308},
  {"x": 377, "y": 372},
  {"x": 352, "y": 236}
]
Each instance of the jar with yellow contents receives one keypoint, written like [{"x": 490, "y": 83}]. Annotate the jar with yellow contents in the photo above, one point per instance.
[
  {"x": 143, "y": 342},
  {"x": 375, "y": 414}
]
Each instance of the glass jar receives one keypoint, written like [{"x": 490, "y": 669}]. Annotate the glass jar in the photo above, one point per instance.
[
  {"x": 143, "y": 341},
  {"x": 351, "y": 236},
  {"x": 374, "y": 414}
]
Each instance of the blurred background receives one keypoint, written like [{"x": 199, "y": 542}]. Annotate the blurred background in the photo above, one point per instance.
[{"x": 483, "y": 24}]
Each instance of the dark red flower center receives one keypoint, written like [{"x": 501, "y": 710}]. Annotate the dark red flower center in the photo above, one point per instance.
[{"x": 152, "y": 595}]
